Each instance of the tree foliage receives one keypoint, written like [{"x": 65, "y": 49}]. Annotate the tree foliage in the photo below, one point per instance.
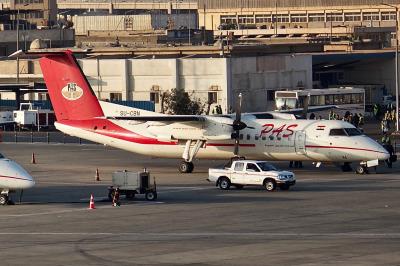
[{"x": 179, "y": 102}]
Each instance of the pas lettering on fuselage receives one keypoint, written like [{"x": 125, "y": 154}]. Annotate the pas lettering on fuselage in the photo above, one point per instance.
[{"x": 285, "y": 130}]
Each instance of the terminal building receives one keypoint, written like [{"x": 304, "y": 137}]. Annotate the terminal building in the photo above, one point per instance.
[{"x": 352, "y": 44}]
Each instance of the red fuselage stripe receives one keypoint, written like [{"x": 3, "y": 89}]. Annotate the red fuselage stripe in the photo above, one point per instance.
[
  {"x": 14, "y": 177},
  {"x": 343, "y": 148},
  {"x": 229, "y": 145}
]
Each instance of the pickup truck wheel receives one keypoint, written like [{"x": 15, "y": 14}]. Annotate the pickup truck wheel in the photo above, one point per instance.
[
  {"x": 269, "y": 185},
  {"x": 224, "y": 183}
]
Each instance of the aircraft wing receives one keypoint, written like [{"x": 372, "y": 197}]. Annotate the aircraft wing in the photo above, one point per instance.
[{"x": 184, "y": 127}]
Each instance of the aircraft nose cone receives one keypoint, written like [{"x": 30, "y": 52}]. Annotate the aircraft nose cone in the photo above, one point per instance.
[
  {"x": 28, "y": 182},
  {"x": 381, "y": 153}
]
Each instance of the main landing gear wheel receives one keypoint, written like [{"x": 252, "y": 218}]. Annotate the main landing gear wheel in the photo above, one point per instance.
[
  {"x": 3, "y": 199},
  {"x": 361, "y": 170},
  {"x": 186, "y": 167}
]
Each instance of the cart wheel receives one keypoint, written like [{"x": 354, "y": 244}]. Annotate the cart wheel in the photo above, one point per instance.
[
  {"x": 151, "y": 195},
  {"x": 3, "y": 199},
  {"x": 130, "y": 194}
]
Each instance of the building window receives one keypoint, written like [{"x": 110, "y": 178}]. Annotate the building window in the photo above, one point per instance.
[
  {"x": 229, "y": 19},
  {"x": 316, "y": 17},
  {"x": 212, "y": 97},
  {"x": 155, "y": 97},
  {"x": 128, "y": 22},
  {"x": 282, "y": 18},
  {"x": 28, "y": 1},
  {"x": 338, "y": 17},
  {"x": 115, "y": 96},
  {"x": 353, "y": 16},
  {"x": 263, "y": 18},
  {"x": 388, "y": 15},
  {"x": 298, "y": 18},
  {"x": 246, "y": 19},
  {"x": 368, "y": 16}
]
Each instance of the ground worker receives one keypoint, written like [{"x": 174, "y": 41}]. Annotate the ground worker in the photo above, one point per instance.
[
  {"x": 116, "y": 198},
  {"x": 387, "y": 144}
]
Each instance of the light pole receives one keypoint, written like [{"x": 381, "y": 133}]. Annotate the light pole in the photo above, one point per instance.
[
  {"x": 396, "y": 64},
  {"x": 18, "y": 42},
  {"x": 17, "y": 45},
  {"x": 189, "y": 23}
]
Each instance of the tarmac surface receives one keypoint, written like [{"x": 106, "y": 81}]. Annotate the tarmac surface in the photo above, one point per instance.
[{"x": 328, "y": 218}]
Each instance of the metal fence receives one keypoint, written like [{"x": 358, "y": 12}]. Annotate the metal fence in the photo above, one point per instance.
[
  {"x": 40, "y": 137},
  {"x": 145, "y": 105},
  {"x": 226, "y": 4}
]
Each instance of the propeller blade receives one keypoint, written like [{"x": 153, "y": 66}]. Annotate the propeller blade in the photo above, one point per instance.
[
  {"x": 236, "y": 150},
  {"x": 305, "y": 106},
  {"x": 239, "y": 107},
  {"x": 238, "y": 124}
]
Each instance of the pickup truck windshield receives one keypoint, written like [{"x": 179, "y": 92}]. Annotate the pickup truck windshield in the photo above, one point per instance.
[{"x": 267, "y": 167}]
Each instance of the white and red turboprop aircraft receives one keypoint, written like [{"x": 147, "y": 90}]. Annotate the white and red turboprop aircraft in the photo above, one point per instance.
[
  {"x": 13, "y": 177},
  {"x": 265, "y": 136}
]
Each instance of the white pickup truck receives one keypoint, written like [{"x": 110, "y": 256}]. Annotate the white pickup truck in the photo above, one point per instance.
[{"x": 248, "y": 172}]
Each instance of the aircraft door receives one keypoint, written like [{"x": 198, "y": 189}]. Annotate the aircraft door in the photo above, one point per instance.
[{"x": 300, "y": 142}]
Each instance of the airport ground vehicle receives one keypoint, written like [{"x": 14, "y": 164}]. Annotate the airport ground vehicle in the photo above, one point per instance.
[
  {"x": 346, "y": 99},
  {"x": 249, "y": 172},
  {"x": 132, "y": 183},
  {"x": 29, "y": 117}
]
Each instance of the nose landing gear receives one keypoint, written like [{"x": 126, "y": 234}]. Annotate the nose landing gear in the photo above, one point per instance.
[{"x": 362, "y": 169}]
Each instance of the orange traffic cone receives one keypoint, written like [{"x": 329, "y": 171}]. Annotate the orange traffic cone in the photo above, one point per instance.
[
  {"x": 33, "y": 161},
  {"x": 91, "y": 203},
  {"x": 97, "y": 176}
]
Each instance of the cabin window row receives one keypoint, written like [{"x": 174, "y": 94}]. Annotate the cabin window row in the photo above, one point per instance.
[
  {"x": 258, "y": 137},
  {"x": 328, "y": 16}
]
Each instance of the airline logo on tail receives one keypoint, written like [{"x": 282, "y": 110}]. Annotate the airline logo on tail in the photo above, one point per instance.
[{"x": 72, "y": 92}]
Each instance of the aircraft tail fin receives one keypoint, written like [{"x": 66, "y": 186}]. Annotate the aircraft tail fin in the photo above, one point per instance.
[{"x": 70, "y": 92}]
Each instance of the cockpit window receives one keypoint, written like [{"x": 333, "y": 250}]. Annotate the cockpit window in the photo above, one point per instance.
[
  {"x": 337, "y": 132},
  {"x": 353, "y": 132},
  {"x": 345, "y": 132},
  {"x": 264, "y": 116}
]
